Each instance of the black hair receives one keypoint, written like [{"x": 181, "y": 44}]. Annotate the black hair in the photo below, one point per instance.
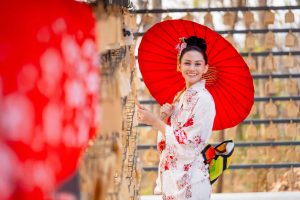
[{"x": 194, "y": 43}]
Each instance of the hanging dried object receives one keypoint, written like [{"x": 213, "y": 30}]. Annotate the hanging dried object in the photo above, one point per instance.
[
  {"x": 269, "y": 63},
  {"x": 251, "y": 132},
  {"x": 250, "y": 41},
  {"x": 292, "y": 109},
  {"x": 270, "y": 87},
  {"x": 208, "y": 20},
  {"x": 289, "y": 17},
  {"x": 251, "y": 62},
  {"x": 292, "y": 87},
  {"x": 271, "y": 110},
  {"x": 290, "y": 131},
  {"x": 269, "y": 42},
  {"x": 167, "y": 17},
  {"x": 188, "y": 16},
  {"x": 271, "y": 132},
  {"x": 269, "y": 17},
  {"x": 228, "y": 19},
  {"x": 289, "y": 61},
  {"x": 248, "y": 18},
  {"x": 291, "y": 39}
]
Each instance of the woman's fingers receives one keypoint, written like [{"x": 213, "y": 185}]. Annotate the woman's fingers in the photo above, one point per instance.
[{"x": 167, "y": 108}]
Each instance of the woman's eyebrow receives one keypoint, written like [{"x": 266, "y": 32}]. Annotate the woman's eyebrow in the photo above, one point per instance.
[{"x": 187, "y": 60}]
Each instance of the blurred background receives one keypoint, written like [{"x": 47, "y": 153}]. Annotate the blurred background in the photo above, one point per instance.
[{"x": 116, "y": 158}]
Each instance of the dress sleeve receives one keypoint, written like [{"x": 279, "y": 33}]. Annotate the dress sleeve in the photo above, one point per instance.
[{"x": 198, "y": 127}]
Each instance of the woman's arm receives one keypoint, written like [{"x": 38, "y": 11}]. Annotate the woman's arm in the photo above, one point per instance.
[{"x": 146, "y": 117}]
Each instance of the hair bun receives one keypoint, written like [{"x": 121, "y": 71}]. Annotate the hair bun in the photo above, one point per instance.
[{"x": 195, "y": 41}]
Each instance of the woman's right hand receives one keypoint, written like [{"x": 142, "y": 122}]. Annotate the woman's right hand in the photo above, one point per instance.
[{"x": 166, "y": 111}]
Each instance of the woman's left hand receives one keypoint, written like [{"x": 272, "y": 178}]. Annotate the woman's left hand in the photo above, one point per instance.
[{"x": 145, "y": 116}]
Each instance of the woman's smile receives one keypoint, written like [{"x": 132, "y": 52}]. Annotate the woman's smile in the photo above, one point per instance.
[
  {"x": 193, "y": 66},
  {"x": 191, "y": 74}
]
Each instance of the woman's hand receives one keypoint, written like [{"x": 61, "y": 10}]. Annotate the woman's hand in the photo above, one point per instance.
[
  {"x": 166, "y": 111},
  {"x": 146, "y": 117}
]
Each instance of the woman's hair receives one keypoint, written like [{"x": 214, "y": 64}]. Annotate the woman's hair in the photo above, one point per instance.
[{"x": 194, "y": 43}]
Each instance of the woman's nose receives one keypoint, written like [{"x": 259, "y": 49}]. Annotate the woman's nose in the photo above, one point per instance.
[{"x": 193, "y": 66}]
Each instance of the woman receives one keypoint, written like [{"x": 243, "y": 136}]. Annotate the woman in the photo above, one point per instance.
[{"x": 182, "y": 172}]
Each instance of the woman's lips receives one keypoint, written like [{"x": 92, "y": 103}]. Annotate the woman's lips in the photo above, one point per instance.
[{"x": 191, "y": 74}]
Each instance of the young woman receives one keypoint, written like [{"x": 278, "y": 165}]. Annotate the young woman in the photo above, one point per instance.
[{"x": 182, "y": 172}]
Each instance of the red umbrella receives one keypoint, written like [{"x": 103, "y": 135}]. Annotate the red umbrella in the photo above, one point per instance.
[{"x": 228, "y": 78}]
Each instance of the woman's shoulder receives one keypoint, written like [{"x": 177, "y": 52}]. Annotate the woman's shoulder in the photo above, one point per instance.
[{"x": 205, "y": 97}]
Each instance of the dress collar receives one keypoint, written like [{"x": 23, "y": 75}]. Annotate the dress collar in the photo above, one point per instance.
[{"x": 197, "y": 86}]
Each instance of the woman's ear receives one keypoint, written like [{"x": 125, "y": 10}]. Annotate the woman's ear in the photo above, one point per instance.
[
  {"x": 205, "y": 68},
  {"x": 179, "y": 68}
]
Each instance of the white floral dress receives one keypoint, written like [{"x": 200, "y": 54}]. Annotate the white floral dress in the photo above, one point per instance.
[{"x": 182, "y": 173}]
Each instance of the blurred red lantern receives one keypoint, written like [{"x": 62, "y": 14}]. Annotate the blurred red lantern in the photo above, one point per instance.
[{"x": 48, "y": 93}]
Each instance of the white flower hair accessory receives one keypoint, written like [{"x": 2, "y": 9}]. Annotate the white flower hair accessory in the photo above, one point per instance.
[{"x": 180, "y": 46}]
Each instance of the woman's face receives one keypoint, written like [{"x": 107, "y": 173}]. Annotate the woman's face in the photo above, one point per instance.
[{"x": 192, "y": 67}]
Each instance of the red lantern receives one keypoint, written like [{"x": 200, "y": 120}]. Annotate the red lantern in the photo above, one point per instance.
[{"x": 48, "y": 93}]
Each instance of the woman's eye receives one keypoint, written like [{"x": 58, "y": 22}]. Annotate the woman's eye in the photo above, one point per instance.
[{"x": 187, "y": 63}]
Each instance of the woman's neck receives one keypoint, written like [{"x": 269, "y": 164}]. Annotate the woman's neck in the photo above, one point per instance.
[{"x": 188, "y": 85}]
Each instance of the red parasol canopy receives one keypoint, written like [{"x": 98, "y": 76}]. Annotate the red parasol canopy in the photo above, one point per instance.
[{"x": 228, "y": 78}]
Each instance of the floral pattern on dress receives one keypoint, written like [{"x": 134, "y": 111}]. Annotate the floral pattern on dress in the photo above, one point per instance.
[
  {"x": 185, "y": 180},
  {"x": 181, "y": 136},
  {"x": 165, "y": 197},
  {"x": 161, "y": 146},
  {"x": 170, "y": 160},
  {"x": 186, "y": 167},
  {"x": 189, "y": 122},
  {"x": 197, "y": 140},
  {"x": 189, "y": 96},
  {"x": 188, "y": 192}
]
